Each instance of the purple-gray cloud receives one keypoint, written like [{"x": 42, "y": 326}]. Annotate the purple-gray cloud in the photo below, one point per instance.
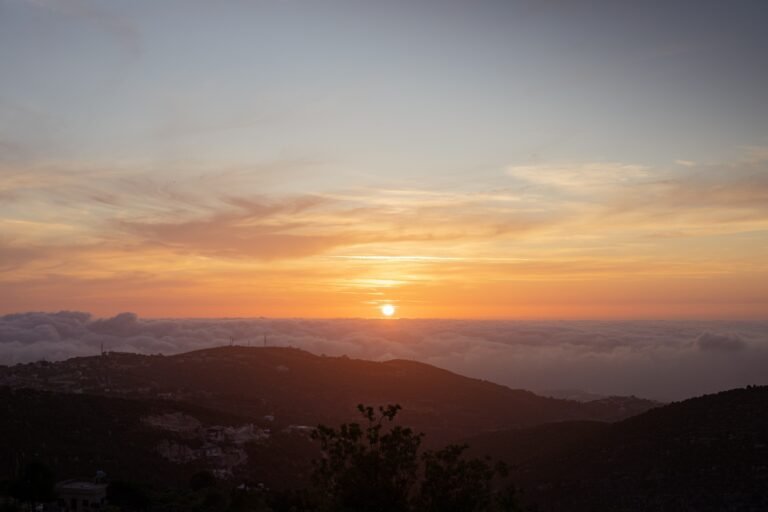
[
  {"x": 720, "y": 342},
  {"x": 662, "y": 360}
]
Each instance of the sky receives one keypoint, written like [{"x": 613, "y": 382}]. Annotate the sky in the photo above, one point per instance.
[{"x": 484, "y": 159}]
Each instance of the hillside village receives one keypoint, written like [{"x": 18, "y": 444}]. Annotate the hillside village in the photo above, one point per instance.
[
  {"x": 185, "y": 439},
  {"x": 96, "y": 374}
]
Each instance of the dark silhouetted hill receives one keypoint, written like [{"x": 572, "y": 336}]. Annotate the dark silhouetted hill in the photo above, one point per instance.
[
  {"x": 705, "y": 454},
  {"x": 241, "y": 413},
  {"x": 298, "y": 388},
  {"x": 157, "y": 442},
  {"x": 79, "y": 434}
]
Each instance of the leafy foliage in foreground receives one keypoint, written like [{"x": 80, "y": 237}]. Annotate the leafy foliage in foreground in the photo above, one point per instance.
[{"x": 377, "y": 467}]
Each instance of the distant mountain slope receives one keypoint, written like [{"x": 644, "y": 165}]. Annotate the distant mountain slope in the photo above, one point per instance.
[
  {"x": 297, "y": 387},
  {"x": 705, "y": 454},
  {"x": 531, "y": 444},
  {"x": 76, "y": 435}
]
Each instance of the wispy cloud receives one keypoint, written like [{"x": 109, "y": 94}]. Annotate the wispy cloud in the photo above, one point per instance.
[
  {"x": 580, "y": 177},
  {"x": 598, "y": 224},
  {"x": 249, "y": 228}
]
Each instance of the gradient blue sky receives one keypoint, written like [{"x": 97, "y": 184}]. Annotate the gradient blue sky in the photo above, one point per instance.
[
  {"x": 406, "y": 89},
  {"x": 587, "y": 137}
]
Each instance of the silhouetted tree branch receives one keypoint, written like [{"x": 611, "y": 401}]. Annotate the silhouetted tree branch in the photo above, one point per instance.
[{"x": 377, "y": 467}]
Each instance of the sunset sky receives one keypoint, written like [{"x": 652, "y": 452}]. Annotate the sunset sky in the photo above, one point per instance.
[{"x": 321, "y": 158}]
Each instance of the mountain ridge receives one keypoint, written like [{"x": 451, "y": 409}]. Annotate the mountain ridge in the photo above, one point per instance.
[
  {"x": 707, "y": 453},
  {"x": 299, "y": 387}
]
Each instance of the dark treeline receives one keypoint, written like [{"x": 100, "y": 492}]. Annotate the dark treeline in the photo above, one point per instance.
[{"x": 376, "y": 465}]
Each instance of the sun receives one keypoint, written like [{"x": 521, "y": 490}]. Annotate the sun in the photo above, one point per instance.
[{"x": 387, "y": 309}]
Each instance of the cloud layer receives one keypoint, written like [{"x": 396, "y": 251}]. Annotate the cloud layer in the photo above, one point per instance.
[
  {"x": 580, "y": 240},
  {"x": 661, "y": 360}
]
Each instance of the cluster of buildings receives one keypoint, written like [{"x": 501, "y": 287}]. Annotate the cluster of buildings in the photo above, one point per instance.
[
  {"x": 221, "y": 448},
  {"x": 76, "y": 375},
  {"x": 80, "y": 495}
]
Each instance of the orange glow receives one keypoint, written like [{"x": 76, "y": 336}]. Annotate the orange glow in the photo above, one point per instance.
[
  {"x": 144, "y": 170},
  {"x": 498, "y": 256}
]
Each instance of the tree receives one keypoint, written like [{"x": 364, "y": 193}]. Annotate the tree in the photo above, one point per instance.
[
  {"x": 35, "y": 484},
  {"x": 202, "y": 480},
  {"x": 453, "y": 483},
  {"x": 377, "y": 467},
  {"x": 127, "y": 496},
  {"x": 367, "y": 468}
]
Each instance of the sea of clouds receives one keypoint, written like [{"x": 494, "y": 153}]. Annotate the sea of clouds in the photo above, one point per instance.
[{"x": 664, "y": 360}]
